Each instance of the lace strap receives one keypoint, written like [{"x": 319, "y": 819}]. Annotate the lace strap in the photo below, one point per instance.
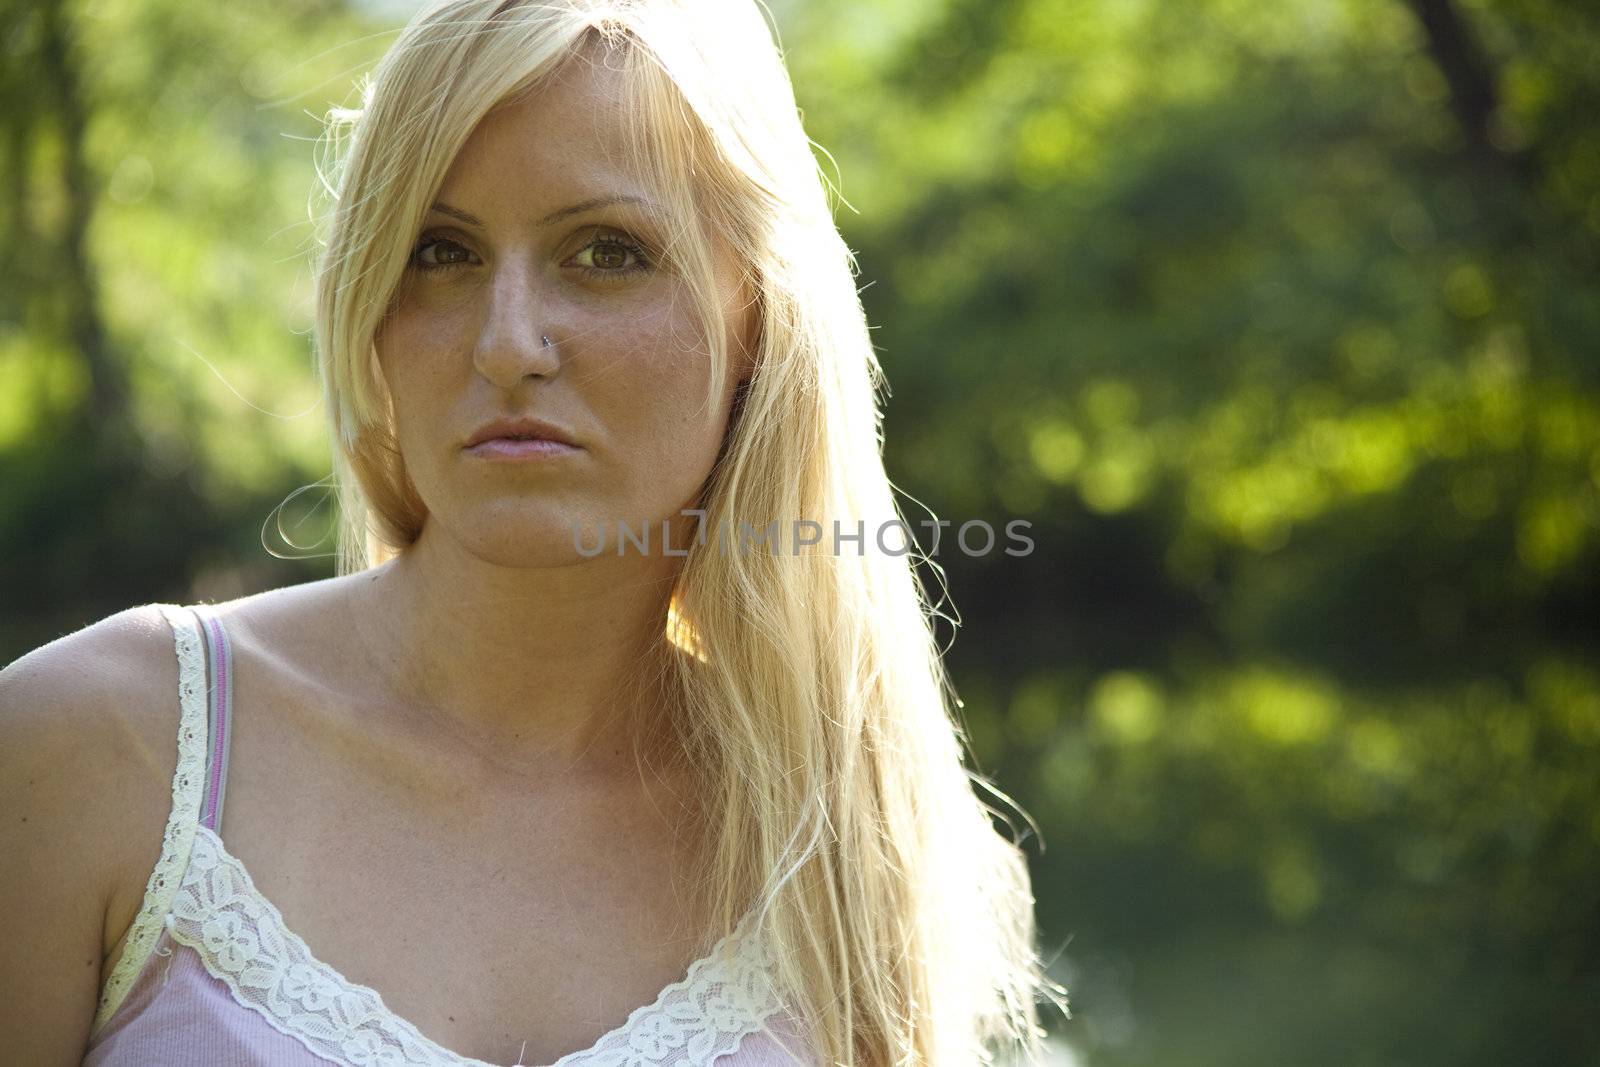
[
  {"x": 178, "y": 838},
  {"x": 219, "y": 700}
]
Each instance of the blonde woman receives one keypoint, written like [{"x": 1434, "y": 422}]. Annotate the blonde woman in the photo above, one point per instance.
[{"x": 494, "y": 794}]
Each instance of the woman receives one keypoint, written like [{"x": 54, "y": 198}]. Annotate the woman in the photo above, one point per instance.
[{"x": 494, "y": 793}]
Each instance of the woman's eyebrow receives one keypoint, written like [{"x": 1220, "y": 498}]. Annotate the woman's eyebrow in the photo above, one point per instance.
[{"x": 554, "y": 216}]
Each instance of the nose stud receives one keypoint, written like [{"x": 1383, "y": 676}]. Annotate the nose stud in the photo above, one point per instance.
[{"x": 546, "y": 339}]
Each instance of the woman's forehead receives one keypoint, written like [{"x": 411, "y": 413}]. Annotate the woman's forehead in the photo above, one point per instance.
[
  {"x": 579, "y": 109},
  {"x": 561, "y": 143}
]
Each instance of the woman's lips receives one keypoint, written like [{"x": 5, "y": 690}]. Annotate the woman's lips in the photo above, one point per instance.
[{"x": 514, "y": 448}]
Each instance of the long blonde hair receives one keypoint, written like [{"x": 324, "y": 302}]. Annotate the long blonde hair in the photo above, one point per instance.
[{"x": 809, "y": 692}]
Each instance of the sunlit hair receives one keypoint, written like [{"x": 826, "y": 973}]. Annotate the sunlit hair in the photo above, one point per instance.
[{"x": 808, "y": 691}]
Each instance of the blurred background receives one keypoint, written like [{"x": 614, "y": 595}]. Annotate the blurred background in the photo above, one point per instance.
[{"x": 1279, "y": 321}]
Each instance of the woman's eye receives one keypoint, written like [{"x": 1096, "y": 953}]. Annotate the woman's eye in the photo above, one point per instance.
[
  {"x": 610, "y": 255},
  {"x": 607, "y": 256},
  {"x": 444, "y": 253}
]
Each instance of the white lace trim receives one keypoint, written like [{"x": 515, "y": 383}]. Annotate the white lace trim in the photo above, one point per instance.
[
  {"x": 242, "y": 939},
  {"x": 177, "y": 839}
]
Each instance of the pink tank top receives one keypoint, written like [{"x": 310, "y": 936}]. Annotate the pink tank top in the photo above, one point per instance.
[{"x": 211, "y": 977}]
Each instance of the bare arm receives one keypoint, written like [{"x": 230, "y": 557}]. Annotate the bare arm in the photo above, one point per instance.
[{"x": 78, "y": 796}]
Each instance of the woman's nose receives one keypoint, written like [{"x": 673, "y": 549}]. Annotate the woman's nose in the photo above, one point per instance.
[{"x": 510, "y": 344}]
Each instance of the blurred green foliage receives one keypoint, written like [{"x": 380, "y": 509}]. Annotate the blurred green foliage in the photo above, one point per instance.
[{"x": 1278, "y": 321}]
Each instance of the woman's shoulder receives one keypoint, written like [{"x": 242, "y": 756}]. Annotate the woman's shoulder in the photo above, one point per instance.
[
  {"x": 88, "y": 746},
  {"x": 116, "y": 679},
  {"x": 89, "y": 721},
  {"x": 91, "y": 691},
  {"x": 301, "y": 623},
  {"x": 89, "y": 738}
]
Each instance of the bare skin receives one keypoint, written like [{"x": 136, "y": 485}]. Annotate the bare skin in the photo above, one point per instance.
[
  {"x": 489, "y": 905},
  {"x": 431, "y": 771}
]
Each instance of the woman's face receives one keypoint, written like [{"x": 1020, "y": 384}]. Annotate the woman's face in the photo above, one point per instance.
[{"x": 525, "y": 241}]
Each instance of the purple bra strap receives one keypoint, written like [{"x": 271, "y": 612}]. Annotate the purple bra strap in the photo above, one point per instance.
[{"x": 219, "y": 693}]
